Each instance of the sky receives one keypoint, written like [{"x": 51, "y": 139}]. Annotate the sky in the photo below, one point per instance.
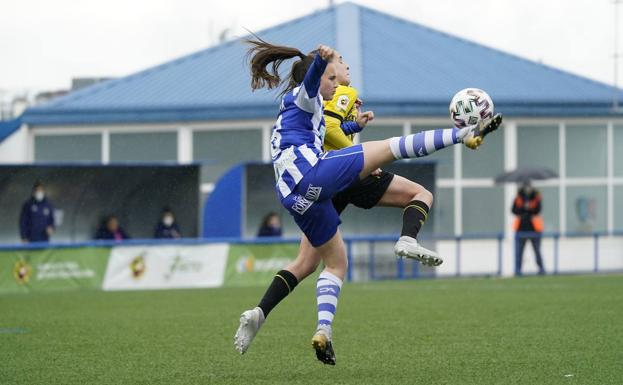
[{"x": 44, "y": 44}]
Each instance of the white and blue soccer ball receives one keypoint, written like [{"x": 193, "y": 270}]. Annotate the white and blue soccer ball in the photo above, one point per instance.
[{"x": 469, "y": 106}]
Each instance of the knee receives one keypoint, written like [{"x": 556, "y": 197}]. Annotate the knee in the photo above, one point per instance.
[{"x": 425, "y": 196}]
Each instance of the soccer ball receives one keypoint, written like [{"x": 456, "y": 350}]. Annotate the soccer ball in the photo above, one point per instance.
[{"x": 470, "y": 105}]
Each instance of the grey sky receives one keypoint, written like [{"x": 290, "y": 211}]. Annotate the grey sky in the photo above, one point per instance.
[{"x": 46, "y": 43}]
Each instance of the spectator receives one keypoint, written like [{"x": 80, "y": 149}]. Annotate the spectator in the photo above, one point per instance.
[
  {"x": 271, "y": 226},
  {"x": 110, "y": 230},
  {"x": 528, "y": 225},
  {"x": 167, "y": 227},
  {"x": 36, "y": 222}
]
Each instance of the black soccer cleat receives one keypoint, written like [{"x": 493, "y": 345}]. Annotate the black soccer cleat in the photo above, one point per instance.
[{"x": 323, "y": 347}]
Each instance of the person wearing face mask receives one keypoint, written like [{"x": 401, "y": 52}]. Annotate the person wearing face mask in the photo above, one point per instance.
[
  {"x": 36, "y": 221},
  {"x": 527, "y": 207},
  {"x": 167, "y": 226}
]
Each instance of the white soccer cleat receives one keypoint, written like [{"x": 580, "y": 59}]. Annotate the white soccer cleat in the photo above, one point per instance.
[
  {"x": 408, "y": 247},
  {"x": 250, "y": 323},
  {"x": 473, "y": 136}
]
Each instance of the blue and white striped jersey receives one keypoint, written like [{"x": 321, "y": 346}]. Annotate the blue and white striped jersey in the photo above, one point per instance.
[{"x": 298, "y": 134}]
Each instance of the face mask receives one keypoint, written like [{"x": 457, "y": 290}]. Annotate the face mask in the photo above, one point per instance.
[
  {"x": 168, "y": 220},
  {"x": 39, "y": 195}
]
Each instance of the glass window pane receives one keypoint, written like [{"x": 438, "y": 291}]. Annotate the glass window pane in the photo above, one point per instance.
[
  {"x": 586, "y": 150},
  {"x": 443, "y": 210},
  {"x": 220, "y": 150},
  {"x": 379, "y": 132},
  {"x": 618, "y": 208},
  {"x": 143, "y": 147},
  {"x": 483, "y": 210},
  {"x": 443, "y": 158},
  {"x": 586, "y": 209},
  {"x": 488, "y": 160},
  {"x": 68, "y": 148},
  {"x": 618, "y": 150},
  {"x": 537, "y": 146}
]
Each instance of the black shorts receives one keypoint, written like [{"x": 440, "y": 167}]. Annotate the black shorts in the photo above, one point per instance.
[{"x": 365, "y": 193}]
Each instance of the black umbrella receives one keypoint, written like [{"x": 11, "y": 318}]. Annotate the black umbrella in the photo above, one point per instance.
[{"x": 526, "y": 174}]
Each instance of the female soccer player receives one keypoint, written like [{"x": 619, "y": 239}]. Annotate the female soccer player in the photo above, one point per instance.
[{"x": 307, "y": 177}]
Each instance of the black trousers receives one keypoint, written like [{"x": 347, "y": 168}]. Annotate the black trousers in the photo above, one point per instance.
[{"x": 520, "y": 243}]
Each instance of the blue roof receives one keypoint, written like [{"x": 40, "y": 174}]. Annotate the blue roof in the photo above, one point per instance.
[{"x": 401, "y": 68}]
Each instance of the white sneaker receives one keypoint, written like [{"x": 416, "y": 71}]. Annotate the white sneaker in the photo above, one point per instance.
[
  {"x": 473, "y": 136},
  {"x": 408, "y": 247},
  {"x": 250, "y": 323}
]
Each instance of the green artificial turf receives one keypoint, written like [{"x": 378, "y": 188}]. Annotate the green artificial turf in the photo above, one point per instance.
[{"x": 534, "y": 330}]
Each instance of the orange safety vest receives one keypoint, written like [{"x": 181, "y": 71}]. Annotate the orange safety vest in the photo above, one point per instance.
[{"x": 537, "y": 220}]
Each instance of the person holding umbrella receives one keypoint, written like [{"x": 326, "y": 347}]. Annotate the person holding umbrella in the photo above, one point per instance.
[{"x": 528, "y": 224}]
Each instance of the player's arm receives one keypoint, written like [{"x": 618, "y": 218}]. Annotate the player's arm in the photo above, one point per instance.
[{"x": 335, "y": 137}]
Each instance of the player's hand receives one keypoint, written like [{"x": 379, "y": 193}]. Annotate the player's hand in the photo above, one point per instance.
[
  {"x": 358, "y": 103},
  {"x": 325, "y": 52},
  {"x": 364, "y": 118},
  {"x": 376, "y": 172}
]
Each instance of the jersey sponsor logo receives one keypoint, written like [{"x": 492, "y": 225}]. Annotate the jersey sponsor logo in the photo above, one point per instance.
[
  {"x": 313, "y": 193},
  {"x": 342, "y": 102},
  {"x": 301, "y": 204}
]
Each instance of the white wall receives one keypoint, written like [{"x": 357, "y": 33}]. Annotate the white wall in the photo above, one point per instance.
[{"x": 575, "y": 255}]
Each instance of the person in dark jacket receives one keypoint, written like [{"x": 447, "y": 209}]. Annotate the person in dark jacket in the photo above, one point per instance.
[
  {"x": 528, "y": 225},
  {"x": 271, "y": 226},
  {"x": 36, "y": 222},
  {"x": 110, "y": 230},
  {"x": 167, "y": 227}
]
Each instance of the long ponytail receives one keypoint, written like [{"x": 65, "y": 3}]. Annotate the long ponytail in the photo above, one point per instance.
[{"x": 266, "y": 59}]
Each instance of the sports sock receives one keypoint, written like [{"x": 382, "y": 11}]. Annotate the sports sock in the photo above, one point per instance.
[
  {"x": 328, "y": 289},
  {"x": 282, "y": 285},
  {"x": 413, "y": 217},
  {"x": 425, "y": 142}
]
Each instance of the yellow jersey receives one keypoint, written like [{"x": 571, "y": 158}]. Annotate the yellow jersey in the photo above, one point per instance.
[{"x": 340, "y": 108}]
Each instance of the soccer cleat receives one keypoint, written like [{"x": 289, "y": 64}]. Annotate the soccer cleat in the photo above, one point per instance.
[
  {"x": 250, "y": 323},
  {"x": 323, "y": 347},
  {"x": 408, "y": 247},
  {"x": 477, "y": 132}
]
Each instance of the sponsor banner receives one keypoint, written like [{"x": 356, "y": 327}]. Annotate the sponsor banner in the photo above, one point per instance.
[
  {"x": 52, "y": 269},
  {"x": 166, "y": 267},
  {"x": 249, "y": 265}
]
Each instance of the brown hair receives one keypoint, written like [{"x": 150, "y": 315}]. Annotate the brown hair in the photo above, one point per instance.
[{"x": 264, "y": 54}]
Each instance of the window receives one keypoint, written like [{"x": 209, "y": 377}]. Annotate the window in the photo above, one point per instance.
[
  {"x": 618, "y": 208},
  {"x": 537, "y": 146},
  {"x": 618, "y": 150},
  {"x": 488, "y": 160},
  {"x": 143, "y": 147},
  {"x": 443, "y": 211},
  {"x": 374, "y": 132},
  {"x": 586, "y": 150},
  {"x": 550, "y": 208},
  {"x": 220, "y": 150},
  {"x": 586, "y": 209},
  {"x": 483, "y": 210},
  {"x": 68, "y": 148},
  {"x": 444, "y": 158}
]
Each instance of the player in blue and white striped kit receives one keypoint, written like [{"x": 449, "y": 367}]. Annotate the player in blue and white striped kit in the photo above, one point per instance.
[{"x": 307, "y": 177}]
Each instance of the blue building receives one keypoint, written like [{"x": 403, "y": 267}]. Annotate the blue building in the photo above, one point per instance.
[{"x": 192, "y": 109}]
